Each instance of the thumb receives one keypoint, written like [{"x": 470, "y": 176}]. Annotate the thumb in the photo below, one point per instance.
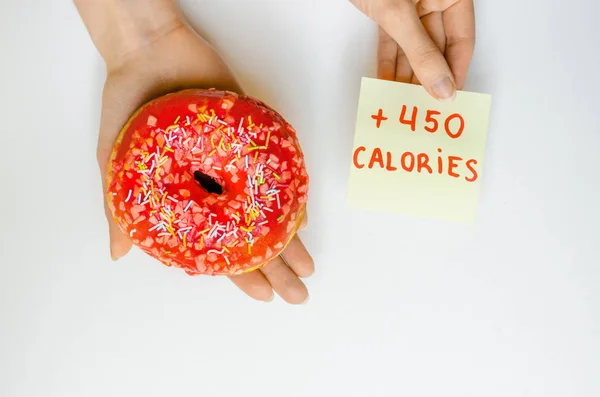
[
  {"x": 120, "y": 245},
  {"x": 402, "y": 22}
]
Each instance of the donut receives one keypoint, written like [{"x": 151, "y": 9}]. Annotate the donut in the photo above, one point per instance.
[{"x": 208, "y": 181}]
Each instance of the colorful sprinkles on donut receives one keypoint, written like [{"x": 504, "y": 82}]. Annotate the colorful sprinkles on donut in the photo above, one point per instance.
[{"x": 208, "y": 181}]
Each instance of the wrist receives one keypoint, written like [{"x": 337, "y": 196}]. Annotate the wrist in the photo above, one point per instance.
[{"x": 121, "y": 27}]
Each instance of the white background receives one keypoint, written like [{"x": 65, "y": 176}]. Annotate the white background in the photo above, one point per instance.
[{"x": 399, "y": 306}]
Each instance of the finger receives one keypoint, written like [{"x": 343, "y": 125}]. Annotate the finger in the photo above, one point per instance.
[
  {"x": 120, "y": 244},
  {"x": 459, "y": 24},
  {"x": 304, "y": 222},
  {"x": 255, "y": 285},
  {"x": 404, "y": 72},
  {"x": 298, "y": 258},
  {"x": 434, "y": 25},
  {"x": 114, "y": 116},
  {"x": 428, "y": 63},
  {"x": 386, "y": 56},
  {"x": 285, "y": 282}
]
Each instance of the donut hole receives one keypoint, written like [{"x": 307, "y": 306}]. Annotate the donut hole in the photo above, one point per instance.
[{"x": 208, "y": 183}]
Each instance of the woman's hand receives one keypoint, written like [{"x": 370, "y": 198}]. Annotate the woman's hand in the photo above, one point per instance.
[
  {"x": 424, "y": 41},
  {"x": 149, "y": 51}
]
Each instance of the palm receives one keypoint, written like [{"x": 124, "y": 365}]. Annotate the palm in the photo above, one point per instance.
[{"x": 181, "y": 59}]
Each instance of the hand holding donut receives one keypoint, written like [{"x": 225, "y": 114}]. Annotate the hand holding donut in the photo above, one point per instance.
[{"x": 155, "y": 53}]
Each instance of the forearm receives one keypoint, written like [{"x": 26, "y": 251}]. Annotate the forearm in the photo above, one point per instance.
[{"x": 120, "y": 27}]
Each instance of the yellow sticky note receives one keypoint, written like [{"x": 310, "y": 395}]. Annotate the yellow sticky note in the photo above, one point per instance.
[{"x": 415, "y": 155}]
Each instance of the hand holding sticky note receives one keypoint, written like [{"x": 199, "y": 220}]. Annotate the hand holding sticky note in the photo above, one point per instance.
[{"x": 415, "y": 155}]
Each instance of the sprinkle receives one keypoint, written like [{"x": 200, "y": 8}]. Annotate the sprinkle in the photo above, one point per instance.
[
  {"x": 246, "y": 162},
  {"x": 214, "y": 252},
  {"x": 278, "y": 202},
  {"x": 212, "y": 140},
  {"x": 213, "y": 152},
  {"x": 221, "y": 143},
  {"x": 267, "y": 209},
  {"x": 169, "y": 149},
  {"x": 213, "y": 231},
  {"x": 158, "y": 225},
  {"x": 255, "y": 157},
  {"x": 164, "y": 234},
  {"x": 263, "y": 223},
  {"x": 129, "y": 195},
  {"x": 240, "y": 126},
  {"x": 268, "y": 161},
  {"x": 226, "y": 259},
  {"x": 171, "y": 127},
  {"x": 131, "y": 232},
  {"x": 173, "y": 199},
  {"x": 249, "y": 249},
  {"x": 280, "y": 218},
  {"x": 216, "y": 168},
  {"x": 186, "y": 141},
  {"x": 139, "y": 198},
  {"x": 187, "y": 207},
  {"x": 276, "y": 176},
  {"x": 176, "y": 120},
  {"x": 149, "y": 157},
  {"x": 222, "y": 122},
  {"x": 221, "y": 238},
  {"x": 162, "y": 201},
  {"x": 204, "y": 231}
]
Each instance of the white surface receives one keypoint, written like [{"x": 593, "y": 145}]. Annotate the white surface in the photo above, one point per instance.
[{"x": 399, "y": 307}]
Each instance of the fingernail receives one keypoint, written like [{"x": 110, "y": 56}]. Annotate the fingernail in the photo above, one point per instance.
[
  {"x": 113, "y": 256},
  {"x": 306, "y": 300},
  {"x": 444, "y": 89},
  {"x": 270, "y": 298}
]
